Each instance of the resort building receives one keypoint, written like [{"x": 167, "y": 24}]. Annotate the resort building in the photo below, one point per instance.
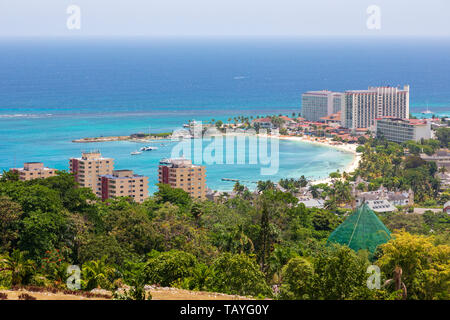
[
  {"x": 89, "y": 167},
  {"x": 181, "y": 173},
  {"x": 34, "y": 170},
  {"x": 441, "y": 157},
  {"x": 333, "y": 120},
  {"x": 264, "y": 123},
  {"x": 360, "y": 108},
  {"x": 319, "y": 104},
  {"x": 401, "y": 130},
  {"x": 395, "y": 198},
  {"x": 123, "y": 183}
]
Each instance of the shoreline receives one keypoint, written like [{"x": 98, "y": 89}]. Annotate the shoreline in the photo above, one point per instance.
[{"x": 326, "y": 142}]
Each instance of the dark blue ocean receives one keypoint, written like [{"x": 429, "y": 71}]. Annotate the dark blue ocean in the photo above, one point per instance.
[{"x": 55, "y": 90}]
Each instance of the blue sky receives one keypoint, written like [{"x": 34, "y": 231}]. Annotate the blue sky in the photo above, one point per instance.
[{"x": 224, "y": 18}]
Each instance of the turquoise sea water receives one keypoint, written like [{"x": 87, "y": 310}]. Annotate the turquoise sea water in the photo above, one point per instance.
[{"x": 52, "y": 92}]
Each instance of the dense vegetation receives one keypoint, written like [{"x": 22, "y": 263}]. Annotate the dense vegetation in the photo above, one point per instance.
[
  {"x": 398, "y": 167},
  {"x": 262, "y": 245}
]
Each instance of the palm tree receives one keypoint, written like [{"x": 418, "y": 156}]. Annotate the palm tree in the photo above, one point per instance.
[
  {"x": 21, "y": 268},
  {"x": 97, "y": 274},
  {"x": 397, "y": 279},
  {"x": 243, "y": 242}
]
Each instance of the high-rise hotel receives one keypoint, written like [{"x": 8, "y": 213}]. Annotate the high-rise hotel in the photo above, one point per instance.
[
  {"x": 318, "y": 104},
  {"x": 360, "y": 108}
]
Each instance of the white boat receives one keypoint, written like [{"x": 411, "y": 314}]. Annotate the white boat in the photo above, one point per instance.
[
  {"x": 148, "y": 148},
  {"x": 134, "y": 153},
  {"x": 427, "y": 111}
]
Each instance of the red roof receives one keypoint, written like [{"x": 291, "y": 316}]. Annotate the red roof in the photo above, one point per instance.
[{"x": 267, "y": 119}]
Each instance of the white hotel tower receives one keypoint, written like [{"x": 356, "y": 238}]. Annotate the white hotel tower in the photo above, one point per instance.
[{"x": 360, "y": 108}]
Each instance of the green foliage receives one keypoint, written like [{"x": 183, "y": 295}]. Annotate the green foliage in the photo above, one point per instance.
[
  {"x": 237, "y": 274},
  {"x": 10, "y": 175},
  {"x": 241, "y": 245},
  {"x": 10, "y": 214},
  {"x": 338, "y": 272},
  {"x": 425, "y": 266},
  {"x": 97, "y": 274},
  {"x": 44, "y": 231},
  {"x": 298, "y": 280},
  {"x": 382, "y": 164},
  {"x": 174, "y": 196},
  {"x": 443, "y": 135},
  {"x": 21, "y": 269},
  {"x": 168, "y": 267}
]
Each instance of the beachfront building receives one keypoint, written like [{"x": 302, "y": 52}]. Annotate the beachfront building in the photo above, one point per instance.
[
  {"x": 333, "y": 120},
  {"x": 401, "y": 130},
  {"x": 319, "y": 104},
  {"x": 264, "y": 123},
  {"x": 123, "y": 183},
  {"x": 360, "y": 108},
  {"x": 89, "y": 167},
  {"x": 34, "y": 170},
  {"x": 181, "y": 173}
]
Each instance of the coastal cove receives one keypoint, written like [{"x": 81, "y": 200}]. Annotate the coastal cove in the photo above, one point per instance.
[{"x": 54, "y": 147}]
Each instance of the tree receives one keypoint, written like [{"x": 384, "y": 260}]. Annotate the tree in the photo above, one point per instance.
[
  {"x": 10, "y": 213},
  {"x": 97, "y": 274},
  {"x": 219, "y": 124},
  {"x": 265, "y": 185},
  {"x": 335, "y": 175},
  {"x": 425, "y": 266},
  {"x": 298, "y": 277},
  {"x": 133, "y": 230},
  {"x": 238, "y": 188},
  {"x": 237, "y": 274},
  {"x": 176, "y": 196},
  {"x": 169, "y": 267},
  {"x": 94, "y": 247},
  {"x": 443, "y": 135},
  {"x": 32, "y": 197},
  {"x": 338, "y": 273},
  {"x": 10, "y": 175},
  {"x": 20, "y": 267}
]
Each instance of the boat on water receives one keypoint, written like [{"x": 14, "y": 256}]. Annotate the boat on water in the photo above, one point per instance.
[
  {"x": 427, "y": 111},
  {"x": 148, "y": 148},
  {"x": 134, "y": 153}
]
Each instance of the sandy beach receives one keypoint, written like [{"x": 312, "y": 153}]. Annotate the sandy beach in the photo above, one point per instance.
[{"x": 346, "y": 147}]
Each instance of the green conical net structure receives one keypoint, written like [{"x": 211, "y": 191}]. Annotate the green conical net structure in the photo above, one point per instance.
[{"x": 362, "y": 230}]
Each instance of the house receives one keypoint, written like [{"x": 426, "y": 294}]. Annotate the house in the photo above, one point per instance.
[
  {"x": 265, "y": 123},
  {"x": 381, "y": 206},
  {"x": 395, "y": 198},
  {"x": 313, "y": 203},
  {"x": 447, "y": 207},
  {"x": 441, "y": 157}
]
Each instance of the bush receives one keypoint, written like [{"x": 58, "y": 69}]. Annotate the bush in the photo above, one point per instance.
[
  {"x": 297, "y": 277},
  {"x": 168, "y": 267},
  {"x": 26, "y": 296},
  {"x": 237, "y": 274}
]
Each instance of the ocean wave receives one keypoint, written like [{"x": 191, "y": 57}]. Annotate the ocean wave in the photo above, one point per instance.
[{"x": 25, "y": 115}]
